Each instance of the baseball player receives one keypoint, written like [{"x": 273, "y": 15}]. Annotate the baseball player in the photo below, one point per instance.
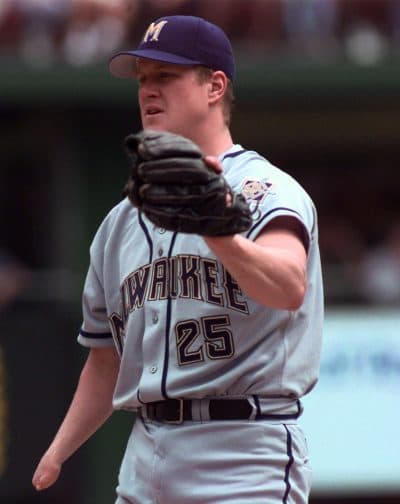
[{"x": 203, "y": 302}]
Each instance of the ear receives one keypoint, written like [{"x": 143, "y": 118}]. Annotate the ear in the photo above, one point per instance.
[{"x": 218, "y": 84}]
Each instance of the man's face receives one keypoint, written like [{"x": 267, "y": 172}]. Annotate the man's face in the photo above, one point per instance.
[{"x": 171, "y": 97}]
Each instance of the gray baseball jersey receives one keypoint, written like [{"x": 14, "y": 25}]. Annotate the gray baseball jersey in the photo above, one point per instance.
[{"x": 179, "y": 320}]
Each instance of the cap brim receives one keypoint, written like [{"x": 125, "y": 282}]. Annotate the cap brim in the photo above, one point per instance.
[{"x": 123, "y": 64}]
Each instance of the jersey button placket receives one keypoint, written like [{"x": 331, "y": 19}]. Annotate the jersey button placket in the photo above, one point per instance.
[{"x": 159, "y": 230}]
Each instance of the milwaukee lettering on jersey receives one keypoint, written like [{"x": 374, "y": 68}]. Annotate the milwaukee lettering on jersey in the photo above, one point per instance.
[{"x": 183, "y": 276}]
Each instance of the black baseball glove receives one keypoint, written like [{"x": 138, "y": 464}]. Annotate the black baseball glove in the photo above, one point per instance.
[{"x": 170, "y": 182}]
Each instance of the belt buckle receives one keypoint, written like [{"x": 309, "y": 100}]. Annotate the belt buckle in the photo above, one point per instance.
[{"x": 179, "y": 419}]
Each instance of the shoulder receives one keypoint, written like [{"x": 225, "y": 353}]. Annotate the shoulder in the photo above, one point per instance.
[
  {"x": 252, "y": 174},
  {"x": 269, "y": 189},
  {"x": 117, "y": 214},
  {"x": 240, "y": 162},
  {"x": 238, "y": 158}
]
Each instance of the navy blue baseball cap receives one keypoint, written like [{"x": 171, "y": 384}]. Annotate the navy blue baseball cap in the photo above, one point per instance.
[{"x": 181, "y": 40}]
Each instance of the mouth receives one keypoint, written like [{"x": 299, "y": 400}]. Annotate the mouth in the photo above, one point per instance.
[{"x": 153, "y": 111}]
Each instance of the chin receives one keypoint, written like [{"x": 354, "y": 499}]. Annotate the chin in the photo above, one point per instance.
[
  {"x": 157, "y": 124},
  {"x": 154, "y": 124}
]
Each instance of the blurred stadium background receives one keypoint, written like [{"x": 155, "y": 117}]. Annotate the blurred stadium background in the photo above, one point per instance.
[{"x": 318, "y": 93}]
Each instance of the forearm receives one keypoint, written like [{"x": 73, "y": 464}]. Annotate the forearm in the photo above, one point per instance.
[
  {"x": 89, "y": 409},
  {"x": 90, "y": 406},
  {"x": 272, "y": 276}
]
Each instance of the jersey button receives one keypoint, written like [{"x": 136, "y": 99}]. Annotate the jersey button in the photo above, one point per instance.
[
  {"x": 153, "y": 369},
  {"x": 160, "y": 252},
  {"x": 155, "y": 318}
]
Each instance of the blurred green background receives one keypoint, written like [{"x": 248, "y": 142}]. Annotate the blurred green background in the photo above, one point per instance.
[{"x": 318, "y": 93}]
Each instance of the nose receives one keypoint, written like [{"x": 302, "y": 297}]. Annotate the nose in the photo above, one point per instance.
[{"x": 148, "y": 89}]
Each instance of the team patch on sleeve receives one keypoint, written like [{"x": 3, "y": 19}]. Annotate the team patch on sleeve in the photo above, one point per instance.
[{"x": 256, "y": 190}]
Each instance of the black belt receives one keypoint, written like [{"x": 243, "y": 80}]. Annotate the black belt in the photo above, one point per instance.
[{"x": 176, "y": 411}]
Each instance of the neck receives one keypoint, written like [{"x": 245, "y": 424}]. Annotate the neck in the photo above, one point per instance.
[{"x": 214, "y": 143}]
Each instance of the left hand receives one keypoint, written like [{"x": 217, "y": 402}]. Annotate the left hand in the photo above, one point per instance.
[{"x": 180, "y": 190}]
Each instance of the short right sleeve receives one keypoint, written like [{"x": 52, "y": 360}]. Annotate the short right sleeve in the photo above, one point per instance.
[{"x": 95, "y": 330}]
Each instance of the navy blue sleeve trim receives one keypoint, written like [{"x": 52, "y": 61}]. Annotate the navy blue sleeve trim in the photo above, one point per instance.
[
  {"x": 259, "y": 223},
  {"x": 147, "y": 234},
  {"x": 91, "y": 335}
]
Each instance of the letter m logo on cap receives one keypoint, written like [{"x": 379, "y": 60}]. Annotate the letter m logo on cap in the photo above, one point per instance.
[{"x": 153, "y": 31}]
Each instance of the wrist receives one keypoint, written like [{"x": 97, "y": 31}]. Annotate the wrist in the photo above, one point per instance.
[{"x": 220, "y": 242}]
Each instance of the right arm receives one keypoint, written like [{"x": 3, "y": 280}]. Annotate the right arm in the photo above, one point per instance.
[{"x": 89, "y": 409}]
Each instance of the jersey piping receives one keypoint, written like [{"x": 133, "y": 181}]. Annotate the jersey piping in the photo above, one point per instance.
[
  {"x": 289, "y": 452},
  {"x": 260, "y": 222},
  {"x": 167, "y": 332},
  {"x": 147, "y": 234}
]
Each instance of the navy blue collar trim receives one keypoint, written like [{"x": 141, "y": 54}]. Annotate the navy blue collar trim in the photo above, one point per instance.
[{"x": 233, "y": 154}]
